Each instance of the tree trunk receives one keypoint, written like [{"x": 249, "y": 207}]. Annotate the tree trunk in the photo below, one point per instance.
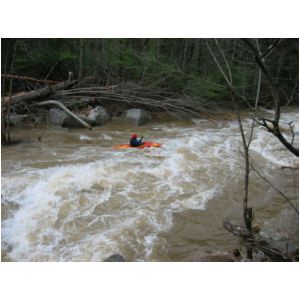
[
  {"x": 66, "y": 110},
  {"x": 274, "y": 92},
  {"x": 41, "y": 93},
  {"x": 80, "y": 64}
]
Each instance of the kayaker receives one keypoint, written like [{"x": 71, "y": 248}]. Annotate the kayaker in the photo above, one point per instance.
[{"x": 134, "y": 142}]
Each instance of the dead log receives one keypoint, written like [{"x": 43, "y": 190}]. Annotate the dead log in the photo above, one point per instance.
[
  {"x": 66, "y": 110},
  {"x": 40, "y": 93},
  {"x": 146, "y": 97}
]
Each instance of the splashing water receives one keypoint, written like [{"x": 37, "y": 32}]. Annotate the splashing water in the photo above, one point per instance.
[{"x": 74, "y": 198}]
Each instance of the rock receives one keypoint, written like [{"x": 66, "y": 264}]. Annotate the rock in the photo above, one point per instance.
[
  {"x": 115, "y": 258},
  {"x": 57, "y": 116},
  {"x": 87, "y": 120},
  {"x": 98, "y": 115},
  {"x": 61, "y": 118},
  {"x": 137, "y": 116},
  {"x": 16, "y": 120}
]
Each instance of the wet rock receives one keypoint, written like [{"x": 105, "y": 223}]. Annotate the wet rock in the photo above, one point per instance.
[
  {"x": 259, "y": 256},
  {"x": 85, "y": 119},
  {"x": 61, "y": 118},
  {"x": 115, "y": 258},
  {"x": 137, "y": 116},
  {"x": 98, "y": 115},
  {"x": 57, "y": 116}
]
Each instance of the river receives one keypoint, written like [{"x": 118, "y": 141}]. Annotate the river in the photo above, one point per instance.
[{"x": 72, "y": 197}]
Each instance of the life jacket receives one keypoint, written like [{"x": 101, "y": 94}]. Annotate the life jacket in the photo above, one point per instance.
[{"x": 135, "y": 142}]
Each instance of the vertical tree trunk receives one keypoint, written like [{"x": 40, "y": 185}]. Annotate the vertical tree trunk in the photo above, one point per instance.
[
  {"x": 184, "y": 56},
  {"x": 8, "y": 139},
  {"x": 157, "y": 47},
  {"x": 80, "y": 63},
  {"x": 247, "y": 212}
]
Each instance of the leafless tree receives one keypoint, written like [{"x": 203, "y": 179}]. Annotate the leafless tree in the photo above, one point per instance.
[
  {"x": 226, "y": 72},
  {"x": 271, "y": 125}
]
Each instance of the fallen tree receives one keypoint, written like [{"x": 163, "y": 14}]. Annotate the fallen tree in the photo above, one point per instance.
[
  {"x": 50, "y": 102},
  {"x": 71, "y": 97},
  {"x": 38, "y": 94},
  {"x": 162, "y": 100}
]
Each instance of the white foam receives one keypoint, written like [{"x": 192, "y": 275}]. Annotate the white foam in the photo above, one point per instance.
[
  {"x": 119, "y": 199},
  {"x": 106, "y": 137},
  {"x": 85, "y": 137}
]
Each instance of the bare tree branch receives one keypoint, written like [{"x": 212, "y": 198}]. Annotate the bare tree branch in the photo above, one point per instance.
[
  {"x": 66, "y": 110},
  {"x": 276, "y": 129},
  {"x": 270, "y": 49}
]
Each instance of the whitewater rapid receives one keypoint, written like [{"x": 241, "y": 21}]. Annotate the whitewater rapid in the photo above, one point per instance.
[{"x": 74, "y": 198}]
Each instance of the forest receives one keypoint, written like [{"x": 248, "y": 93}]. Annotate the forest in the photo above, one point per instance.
[
  {"x": 182, "y": 66},
  {"x": 225, "y": 112},
  {"x": 170, "y": 68}
]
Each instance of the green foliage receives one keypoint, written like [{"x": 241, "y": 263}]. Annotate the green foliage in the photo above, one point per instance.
[
  {"x": 206, "y": 87},
  {"x": 178, "y": 65},
  {"x": 65, "y": 56}
]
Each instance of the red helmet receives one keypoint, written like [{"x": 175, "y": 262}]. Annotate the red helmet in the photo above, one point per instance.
[{"x": 134, "y": 136}]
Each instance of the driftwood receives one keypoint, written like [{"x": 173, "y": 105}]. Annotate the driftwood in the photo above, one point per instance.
[
  {"x": 237, "y": 230},
  {"x": 162, "y": 100},
  {"x": 72, "y": 97},
  {"x": 40, "y": 93},
  {"x": 255, "y": 241},
  {"x": 66, "y": 110}
]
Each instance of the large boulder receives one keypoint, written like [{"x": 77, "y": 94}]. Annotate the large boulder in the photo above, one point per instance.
[
  {"x": 57, "y": 116},
  {"x": 61, "y": 118},
  {"x": 98, "y": 115},
  {"x": 137, "y": 116}
]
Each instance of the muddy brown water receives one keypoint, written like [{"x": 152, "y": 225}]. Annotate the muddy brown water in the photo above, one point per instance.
[{"x": 72, "y": 197}]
